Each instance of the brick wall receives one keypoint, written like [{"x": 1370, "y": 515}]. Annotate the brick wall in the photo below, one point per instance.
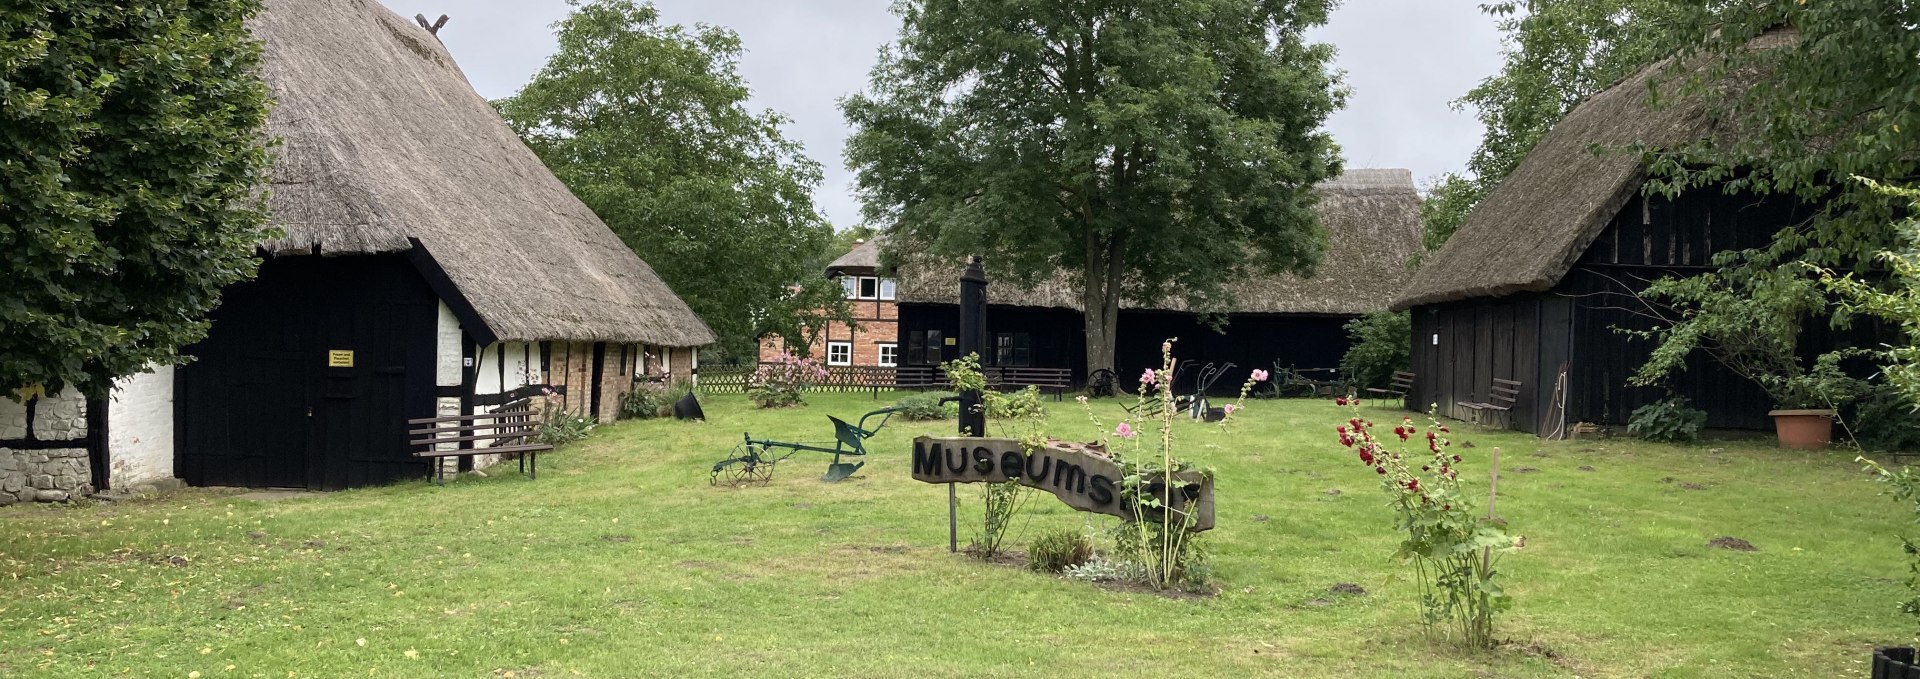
[{"x": 877, "y": 324}]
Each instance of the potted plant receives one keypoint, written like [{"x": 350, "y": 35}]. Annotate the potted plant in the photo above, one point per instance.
[{"x": 1805, "y": 402}]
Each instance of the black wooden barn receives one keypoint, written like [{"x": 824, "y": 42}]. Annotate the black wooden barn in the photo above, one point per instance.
[
  {"x": 428, "y": 265},
  {"x": 1536, "y": 282},
  {"x": 1372, "y": 219}
]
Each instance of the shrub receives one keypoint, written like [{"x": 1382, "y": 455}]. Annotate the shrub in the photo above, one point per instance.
[
  {"x": 559, "y": 426},
  {"x": 645, "y": 401},
  {"x": 780, "y": 384},
  {"x": 1382, "y": 344},
  {"x": 1668, "y": 420},
  {"x": 1886, "y": 421},
  {"x": 1057, "y": 551},
  {"x": 926, "y": 407},
  {"x": 1452, "y": 549}
]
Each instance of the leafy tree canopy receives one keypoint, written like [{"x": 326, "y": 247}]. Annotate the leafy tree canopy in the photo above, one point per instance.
[
  {"x": 1144, "y": 149},
  {"x": 648, "y": 124},
  {"x": 130, "y": 157}
]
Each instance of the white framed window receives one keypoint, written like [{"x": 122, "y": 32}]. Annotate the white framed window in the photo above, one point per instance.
[
  {"x": 889, "y": 355},
  {"x": 839, "y": 353},
  {"x": 852, "y": 286},
  {"x": 887, "y": 288},
  {"x": 869, "y": 287}
]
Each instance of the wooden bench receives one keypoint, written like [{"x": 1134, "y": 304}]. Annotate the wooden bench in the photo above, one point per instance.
[
  {"x": 1501, "y": 396},
  {"x": 1057, "y": 379},
  {"x": 1398, "y": 387},
  {"x": 510, "y": 429}
]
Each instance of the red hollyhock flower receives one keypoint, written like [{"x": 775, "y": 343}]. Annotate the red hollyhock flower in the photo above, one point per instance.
[
  {"x": 1346, "y": 440},
  {"x": 1340, "y": 401},
  {"x": 1401, "y": 432},
  {"x": 1366, "y": 458},
  {"x": 1382, "y": 470},
  {"x": 1340, "y": 428},
  {"x": 1456, "y": 458},
  {"x": 1413, "y": 485}
]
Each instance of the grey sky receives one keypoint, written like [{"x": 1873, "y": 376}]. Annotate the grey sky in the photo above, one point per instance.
[{"x": 1405, "y": 60}]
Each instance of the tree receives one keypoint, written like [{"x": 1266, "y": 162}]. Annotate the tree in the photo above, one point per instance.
[
  {"x": 1144, "y": 150},
  {"x": 1558, "y": 53},
  {"x": 648, "y": 125},
  {"x": 131, "y": 157}
]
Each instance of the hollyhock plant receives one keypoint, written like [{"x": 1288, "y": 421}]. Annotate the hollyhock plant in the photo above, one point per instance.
[
  {"x": 781, "y": 382},
  {"x": 1452, "y": 548}
]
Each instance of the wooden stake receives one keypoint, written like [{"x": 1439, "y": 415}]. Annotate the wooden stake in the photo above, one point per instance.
[{"x": 953, "y": 519}]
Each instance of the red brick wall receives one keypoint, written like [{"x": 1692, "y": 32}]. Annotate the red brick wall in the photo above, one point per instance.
[{"x": 877, "y": 324}]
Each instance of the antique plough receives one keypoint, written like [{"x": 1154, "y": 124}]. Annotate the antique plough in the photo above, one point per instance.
[{"x": 754, "y": 459}]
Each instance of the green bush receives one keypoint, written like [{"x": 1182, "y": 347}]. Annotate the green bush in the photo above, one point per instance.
[
  {"x": 1668, "y": 420},
  {"x": 927, "y": 407},
  {"x": 1382, "y": 344},
  {"x": 1885, "y": 421},
  {"x": 645, "y": 401},
  {"x": 1057, "y": 551},
  {"x": 559, "y": 426}
]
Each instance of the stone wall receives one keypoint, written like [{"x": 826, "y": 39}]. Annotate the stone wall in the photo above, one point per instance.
[{"x": 36, "y": 464}]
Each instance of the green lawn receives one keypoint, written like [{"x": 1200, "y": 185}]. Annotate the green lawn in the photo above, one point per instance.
[{"x": 621, "y": 561}]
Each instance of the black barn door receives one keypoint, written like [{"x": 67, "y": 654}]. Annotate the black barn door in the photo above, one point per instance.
[{"x": 307, "y": 376}]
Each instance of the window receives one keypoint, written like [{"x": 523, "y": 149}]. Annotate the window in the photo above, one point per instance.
[
  {"x": 852, "y": 286},
  {"x": 1013, "y": 349},
  {"x": 869, "y": 287},
  {"x": 887, "y": 288},
  {"x": 923, "y": 347},
  {"x": 839, "y": 353},
  {"x": 889, "y": 355}
]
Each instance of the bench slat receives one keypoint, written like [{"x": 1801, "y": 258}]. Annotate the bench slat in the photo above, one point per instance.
[
  {"x": 470, "y": 427},
  {"x": 482, "y": 437},
  {"x": 529, "y": 448},
  {"x": 468, "y": 418}
]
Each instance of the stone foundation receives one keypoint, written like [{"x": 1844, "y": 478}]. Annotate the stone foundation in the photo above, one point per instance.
[{"x": 54, "y": 475}]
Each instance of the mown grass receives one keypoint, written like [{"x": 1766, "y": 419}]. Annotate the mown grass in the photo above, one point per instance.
[{"x": 621, "y": 561}]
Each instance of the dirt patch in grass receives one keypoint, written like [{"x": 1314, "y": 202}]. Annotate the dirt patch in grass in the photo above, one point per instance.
[{"x": 1733, "y": 543}]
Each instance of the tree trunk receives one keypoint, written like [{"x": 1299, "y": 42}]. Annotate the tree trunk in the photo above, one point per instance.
[{"x": 1100, "y": 300}]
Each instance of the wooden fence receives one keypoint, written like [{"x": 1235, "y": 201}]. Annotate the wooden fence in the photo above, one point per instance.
[{"x": 731, "y": 380}]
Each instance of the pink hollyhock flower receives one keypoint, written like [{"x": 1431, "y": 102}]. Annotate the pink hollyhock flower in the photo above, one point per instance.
[
  {"x": 1259, "y": 375},
  {"x": 1231, "y": 407},
  {"x": 1147, "y": 377},
  {"x": 1125, "y": 431}
]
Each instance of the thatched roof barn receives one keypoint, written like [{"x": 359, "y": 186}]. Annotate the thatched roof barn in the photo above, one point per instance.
[
  {"x": 385, "y": 144},
  {"x": 1372, "y": 220},
  {"x": 1527, "y": 233},
  {"x": 1536, "y": 284},
  {"x": 428, "y": 266}
]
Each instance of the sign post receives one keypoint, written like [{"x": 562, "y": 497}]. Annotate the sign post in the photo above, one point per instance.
[{"x": 973, "y": 337}]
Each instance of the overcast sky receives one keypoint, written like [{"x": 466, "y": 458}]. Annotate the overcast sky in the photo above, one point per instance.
[{"x": 1404, "y": 59}]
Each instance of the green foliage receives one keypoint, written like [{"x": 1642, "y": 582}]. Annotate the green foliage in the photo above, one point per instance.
[
  {"x": 646, "y": 400},
  {"x": 1020, "y": 415},
  {"x": 1449, "y": 198},
  {"x": 131, "y": 158},
  {"x": 649, "y": 126},
  {"x": 1896, "y": 301},
  {"x": 1453, "y": 550},
  {"x": 1904, "y": 486},
  {"x": 1668, "y": 420},
  {"x": 1749, "y": 319},
  {"x": 1886, "y": 421},
  {"x": 1144, "y": 150},
  {"x": 1382, "y": 344},
  {"x": 925, "y": 407},
  {"x": 1056, "y": 551},
  {"x": 559, "y": 426}
]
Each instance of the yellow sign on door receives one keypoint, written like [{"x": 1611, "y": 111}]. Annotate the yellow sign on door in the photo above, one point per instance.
[{"x": 340, "y": 358}]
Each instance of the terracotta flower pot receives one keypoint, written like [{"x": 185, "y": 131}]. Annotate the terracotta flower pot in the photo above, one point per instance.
[{"x": 1803, "y": 429}]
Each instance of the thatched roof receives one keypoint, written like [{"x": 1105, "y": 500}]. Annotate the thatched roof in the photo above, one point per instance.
[
  {"x": 863, "y": 258},
  {"x": 1372, "y": 218},
  {"x": 1530, "y": 229},
  {"x": 383, "y": 141}
]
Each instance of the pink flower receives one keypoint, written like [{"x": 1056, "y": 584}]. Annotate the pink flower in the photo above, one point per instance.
[
  {"x": 1259, "y": 375},
  {"x": 1147, "y": 377},
  {"x": 1125, "y": 431},
  {"x": 1166, "y": 347},
  {"x": 1231, "y": 407}
]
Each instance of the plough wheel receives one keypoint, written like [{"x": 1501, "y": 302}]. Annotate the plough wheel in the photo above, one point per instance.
[{"x": 744, "y": 469}]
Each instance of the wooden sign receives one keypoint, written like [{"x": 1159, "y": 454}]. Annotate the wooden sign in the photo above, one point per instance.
[
  {"x": 339, "y": 358},
  {"x": 1082, "y": 476}
]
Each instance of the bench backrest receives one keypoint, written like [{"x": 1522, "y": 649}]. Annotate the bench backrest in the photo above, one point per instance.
[
  {"x": 1402, "y": 380},
  {"x": 495, "y": 428},
  {"x": 1504, "y": 392}
]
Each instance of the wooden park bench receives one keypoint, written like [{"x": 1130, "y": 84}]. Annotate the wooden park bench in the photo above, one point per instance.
[
  {"x": 509, "y": 429},
  {"x": 1501, "y": 397},
  {"x": 1057, "y": 380},
  {"x": 1398, "y": 387}
]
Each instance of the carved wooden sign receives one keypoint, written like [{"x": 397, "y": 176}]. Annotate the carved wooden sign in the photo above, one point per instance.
[{"x": 1082, "y": 476}]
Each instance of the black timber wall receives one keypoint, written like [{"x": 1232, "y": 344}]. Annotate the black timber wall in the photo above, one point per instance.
[{"x": 1459, "y": 348}]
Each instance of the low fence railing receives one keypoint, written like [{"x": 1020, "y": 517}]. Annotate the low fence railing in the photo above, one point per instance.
[{"x": 732, "y": 380}]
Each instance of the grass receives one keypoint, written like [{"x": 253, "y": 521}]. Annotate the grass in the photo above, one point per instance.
[{"x": 622, "y": 561}]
